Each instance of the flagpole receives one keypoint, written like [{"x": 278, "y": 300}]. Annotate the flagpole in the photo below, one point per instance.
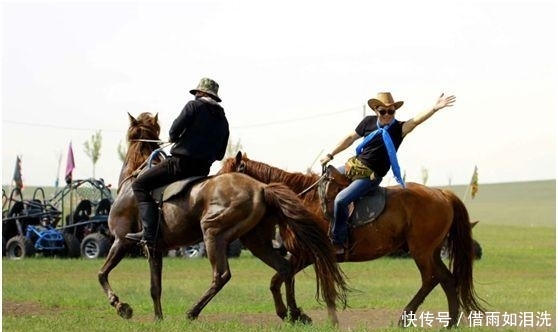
[{"x": 58, "y": 169}]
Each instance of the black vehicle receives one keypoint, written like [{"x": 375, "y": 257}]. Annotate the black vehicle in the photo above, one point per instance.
[{"x": 88, "y": 203}]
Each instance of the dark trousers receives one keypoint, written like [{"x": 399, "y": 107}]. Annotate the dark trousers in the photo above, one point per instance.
[{"x": 169, "y": 170}]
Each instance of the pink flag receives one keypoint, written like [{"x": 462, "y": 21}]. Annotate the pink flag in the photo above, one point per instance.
[{"x": 69, "y": 165}]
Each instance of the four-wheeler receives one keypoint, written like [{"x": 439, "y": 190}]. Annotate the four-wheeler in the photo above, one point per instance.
[
  {"x": 87, "y": 203},
  {"x": 36, "y": 225},
  {"x": 28, "y": 227}
]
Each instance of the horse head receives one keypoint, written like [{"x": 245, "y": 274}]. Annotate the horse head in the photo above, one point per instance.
[
  {"x": 236, "y": 164},
  {"x": 142, "y": 135}
]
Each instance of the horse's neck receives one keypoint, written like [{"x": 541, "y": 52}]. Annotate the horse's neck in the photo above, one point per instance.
[
  {"x": 297, "y": 182},
  {"x": 135, "y": 157}
]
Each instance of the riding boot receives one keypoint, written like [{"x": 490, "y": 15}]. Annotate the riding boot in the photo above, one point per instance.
[{"x": 149, "y": 214}]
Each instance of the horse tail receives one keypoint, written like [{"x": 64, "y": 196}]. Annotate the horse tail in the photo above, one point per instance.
[
  {"x": 305, "y": 240},
  {"x": 461, "y": 255}
]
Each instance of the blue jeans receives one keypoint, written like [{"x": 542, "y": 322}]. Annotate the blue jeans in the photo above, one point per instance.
[{"x": 353, "y": 192}]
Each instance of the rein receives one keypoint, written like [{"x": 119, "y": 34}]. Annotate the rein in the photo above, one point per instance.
[
  {"x": 147, "y": 161},
  {"x": 149, "y": 141},
  {"x": 312, "y": 185}
]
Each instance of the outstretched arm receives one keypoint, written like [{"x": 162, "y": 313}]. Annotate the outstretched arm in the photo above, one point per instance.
[
  {"x": 342, "y": 145},
  {"x": 442, "y": 102}
]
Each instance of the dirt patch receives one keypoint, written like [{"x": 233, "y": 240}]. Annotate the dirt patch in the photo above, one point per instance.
[
  {"x": 349, "y": 319},
  {"x": 23, "y": 309}
]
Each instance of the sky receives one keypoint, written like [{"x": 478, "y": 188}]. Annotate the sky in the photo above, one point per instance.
[{"x": 295, "y": 78}]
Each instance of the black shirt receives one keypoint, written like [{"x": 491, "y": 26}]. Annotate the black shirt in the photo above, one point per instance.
[
  {"x": 201, "y": 131},
  {"x": 375, "y": 155}
]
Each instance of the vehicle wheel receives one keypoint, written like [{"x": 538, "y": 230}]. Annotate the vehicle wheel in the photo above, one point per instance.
[
  {"x": 194, "y": 251},
  {"x": 73, "y": 249},
  {"x": 234, "y": 249},
  {"x": 19, "y": 247},
  {"x": 95, "y": 245}
]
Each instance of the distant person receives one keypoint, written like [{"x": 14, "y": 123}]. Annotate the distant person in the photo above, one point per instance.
[
  {"x": 383, "y": 135},
  {"x": 200, "y": 135}
]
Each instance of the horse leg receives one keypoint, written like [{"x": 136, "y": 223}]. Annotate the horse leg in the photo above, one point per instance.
[
  {"x": 429, "y": 281},
  {"x": 156, "y": 267},
  {"x": 275, "y": 288},
  {"x": 449, "y": 285},
  {"x": 261, "y": 248},
  {"x": 217, "y": 255},
  {"x": 115, "y": 255}
]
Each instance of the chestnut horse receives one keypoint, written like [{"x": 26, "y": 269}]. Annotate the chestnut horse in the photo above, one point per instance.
[
  {"x": 417, "y": 217},
  {"x": 219, "y": 210}
]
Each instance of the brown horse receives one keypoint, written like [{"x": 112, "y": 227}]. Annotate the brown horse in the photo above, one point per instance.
[
  {"x": 219, "y": 210},
  {"x": 418, "y": 218}
]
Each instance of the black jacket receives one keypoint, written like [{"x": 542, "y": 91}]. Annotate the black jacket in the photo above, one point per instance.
[{"x": 201, "y": 131}]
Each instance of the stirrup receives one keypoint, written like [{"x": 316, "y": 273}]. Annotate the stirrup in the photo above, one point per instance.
[{"x": 135, "y": 236}]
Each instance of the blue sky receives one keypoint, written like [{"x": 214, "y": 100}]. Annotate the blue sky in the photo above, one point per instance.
[{"x": 294, "y": 77}]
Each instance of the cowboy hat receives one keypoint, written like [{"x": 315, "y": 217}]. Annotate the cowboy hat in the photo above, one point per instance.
[
  {"x": 209, "y": 86},
  {"x": 384, "y": 99}
]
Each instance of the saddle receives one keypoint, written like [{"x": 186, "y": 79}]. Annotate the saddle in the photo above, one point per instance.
[
  {"x": 164, "y": 193},
  {"x": 363, "y": 211}
]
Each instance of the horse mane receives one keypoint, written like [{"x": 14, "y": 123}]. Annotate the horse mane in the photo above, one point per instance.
[
  {"x": 145, "y": 126},
  {"x": 297, "y": 181}
]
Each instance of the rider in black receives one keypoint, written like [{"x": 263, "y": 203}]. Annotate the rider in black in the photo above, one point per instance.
[{"x": 200, "y": 135}]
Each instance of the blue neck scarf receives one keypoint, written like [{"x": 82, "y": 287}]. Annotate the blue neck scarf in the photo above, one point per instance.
[{"x": 392, "y": 153}]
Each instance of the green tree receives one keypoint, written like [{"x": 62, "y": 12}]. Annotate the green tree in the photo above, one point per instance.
[
  {"x": 424, "y": 175},
  {"x": 232, "y": 149},
  {"x": 122, "y": 149},
  {"x": 93, "y": 148}
]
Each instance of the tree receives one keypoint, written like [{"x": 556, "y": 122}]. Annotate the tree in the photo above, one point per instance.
[
  {"x": 122, "y": 149},
  {"x": 424, "y": 175},
  {"x": 93, "y": 148},
  {"x": 232, "y": 149}
]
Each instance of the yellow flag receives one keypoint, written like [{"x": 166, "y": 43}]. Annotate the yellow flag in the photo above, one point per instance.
[{"x": 474, "y": 182}]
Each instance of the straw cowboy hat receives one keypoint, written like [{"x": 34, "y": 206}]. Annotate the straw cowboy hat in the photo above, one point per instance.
[
  {"x": 384, "y": 99},
  {"x": 208, "y": 86}
]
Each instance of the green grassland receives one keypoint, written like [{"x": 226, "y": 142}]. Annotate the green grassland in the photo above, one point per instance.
[{"x": 516, "y": 275}]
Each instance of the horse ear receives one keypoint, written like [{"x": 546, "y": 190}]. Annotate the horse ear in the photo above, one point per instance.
[
  {"x": 245, "y": 155},
  {"x": 157, "y": 117},
  {"x": 132, "y": 119},
  {"x": 238, "y": 157}
]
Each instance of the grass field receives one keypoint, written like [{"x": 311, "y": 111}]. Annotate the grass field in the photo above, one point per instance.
[{"x": 516, "y": 276}]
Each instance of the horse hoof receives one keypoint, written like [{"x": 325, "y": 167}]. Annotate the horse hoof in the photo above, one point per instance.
[
  {"x": 124, "y": 310},
  {"x": 305, "y": 319},
  {"x": 299, "y": 318},
  {"x": 191, "y": 316}
]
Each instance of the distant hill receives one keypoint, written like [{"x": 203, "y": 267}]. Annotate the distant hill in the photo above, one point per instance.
[{"x": 530, "y": 203}]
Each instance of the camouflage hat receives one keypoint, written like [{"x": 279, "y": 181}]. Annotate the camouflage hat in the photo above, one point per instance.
[{"x": 208, "y": 86}]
